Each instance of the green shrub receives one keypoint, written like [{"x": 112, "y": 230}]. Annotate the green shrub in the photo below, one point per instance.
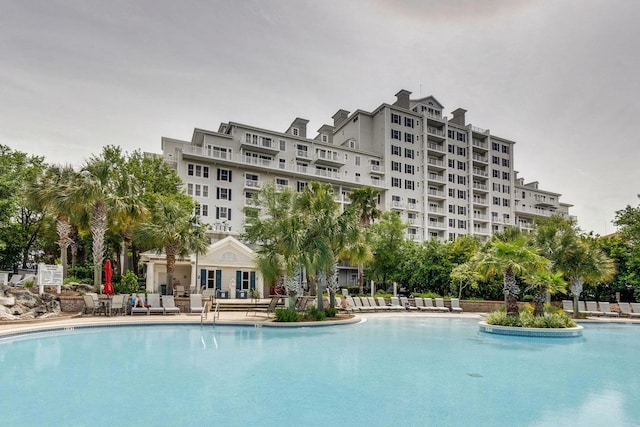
[
  {"x": 527, "y": 298},
  {"x": 330, "y": 312},
  {"x": 72, "y": 279},
  {"x": 28, "y": 283},
  {"x": 315, "y": 314},
  {"x": 128, "y": 284},
  {"x": 426, "y": 295},
  {"x": 528, "y": 320},
  {"x": 287, "y": 315}
]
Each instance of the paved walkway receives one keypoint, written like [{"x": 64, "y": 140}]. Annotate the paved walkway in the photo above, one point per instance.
[{"x": 226, "y": 318}]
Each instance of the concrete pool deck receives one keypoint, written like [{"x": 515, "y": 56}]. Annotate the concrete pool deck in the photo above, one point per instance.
[{"x": 12, "y": 328}]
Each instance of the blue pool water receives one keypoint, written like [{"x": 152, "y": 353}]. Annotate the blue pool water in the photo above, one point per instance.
[{"x": 383, "y": 372}]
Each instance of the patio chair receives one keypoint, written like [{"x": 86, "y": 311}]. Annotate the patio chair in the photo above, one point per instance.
[
  {"x": 567, "y": 306},
  {"x": 89, "y": 308},
  {"x": 635, "y": 306},
  {"x": 605, "y": 307},
  {"x": 180, "y": 291},
  {"x": 440, "y": 305},
  {"x": 455, "y": 305},
  {"x": 428, "y": 305},
  {"x": 271, "y": 308},
  {"x": 135, "y": 310},
  {"x": 153, "y": 300},
  {"x": 625, "y": 308},
  {"x": 592, "y": 309},
  {"x": 395, "y": 304},
  {"x": 357, "y": 303},
  {"x": 15, "y": 279},
  {"x": 195, "y": 304},
  {"x": 420, "y": 304},
  {"x": 169, "y": 304},
  {"x": 118, "y": 304},
  {"x": 404, "y": 301},
  {"x": 381, "y": 304},
  {"x": 97, "y": 306},
  {"x": 582, "y": 308},
  {"x": 301, "y": 303},
  {"x": 366, "y": 304}
]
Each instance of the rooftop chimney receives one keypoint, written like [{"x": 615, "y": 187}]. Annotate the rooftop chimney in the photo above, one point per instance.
[
  {"x": 458, "y": 116},
  {"x": 403, "y": 99},
  {"x": 339, "y": 117}
]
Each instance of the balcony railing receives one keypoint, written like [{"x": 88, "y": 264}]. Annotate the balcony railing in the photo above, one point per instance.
[
  {"x": 435, "y": 162},
  {"x": 480, "y": 172},
  {"x": 436, "y": 177},
  {"x": 252, "y": 183},
  {"x": 478, "y": 143},
  {"x": 435, "y": 147},
  {"x": 435, "y": 131},
  {"x": 479, "y": 158}
]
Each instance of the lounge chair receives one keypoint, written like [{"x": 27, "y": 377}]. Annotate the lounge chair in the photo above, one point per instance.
[
  {"x": 625, "y": 308},
  {"x": 567, "y": 306},
  {"x": 420, "y": 304},
  {"x": 135, "y": 310},
  {"x": 592, "y": 309},
  {"x": 89, "y": 308},
  {"x": 428, "y": 305},
  {"x": 582, "y": 308},
  {"x": 455, "y": 305},
  {"x": 97, "y": 305},
  {"x": 271, "y": 308},
  {"x": 404, "y": 301},
  {"x": 118, "y": 304},
  {"x": 381, "y": 304},
  {"x": 376, "y": 307},
  {"x": 635, "y": 306},
  {"x": 169, "y": 304},
  {"x": 27, "y": 278},
  {"x": 395, "y": 304},
  {"x": 440, "y": 305},
  {"x": 352, "y": 304},
  {"x": 195, "y": 304},
  {"x": 359, "y": 305},
  {"x": 153, "y": 300},
  {"x": 605, "y": 307},
  {"x": 15, "y": 279},
  {"x": 301, "y": 303},
  {"x": 367, "y": 304}
]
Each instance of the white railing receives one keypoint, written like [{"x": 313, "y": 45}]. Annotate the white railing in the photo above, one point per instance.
[
  {"x": 433, "y": 209},
  {"x": 480, "y": 172},
  {"x": 435, "y": 177},
  {"x": 483, "y": 159},
  {"x": 434, "y": 162},
  {"x": 479, "y": 186},
  {"x": 252, "y": 183},
  {"x": 377, "y": 168},
  {"x": 397, "y": 204},
  {"x": 435, "y": 131},
  {"x": 435, "y": 147},
  {"x": 478, "y": 143},
  {"x": 480, "y": 130},
  {"x": 436, "y": 193}
]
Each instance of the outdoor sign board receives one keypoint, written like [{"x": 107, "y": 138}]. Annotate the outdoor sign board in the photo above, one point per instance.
[{"x": 49, "y": 275}]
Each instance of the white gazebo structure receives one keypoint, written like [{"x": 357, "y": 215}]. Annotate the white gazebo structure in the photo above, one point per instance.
[{"x": 227, "y": 270}]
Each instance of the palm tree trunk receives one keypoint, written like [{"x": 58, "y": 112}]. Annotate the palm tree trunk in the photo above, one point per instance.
[
  {"x": 361, "y": 278},
  {"x": 98, "y": 230},
  {"x": 511, "y": 292},
  {"x": 171, "y": 252}
]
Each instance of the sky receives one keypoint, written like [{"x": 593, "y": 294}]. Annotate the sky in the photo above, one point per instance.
[{"x": 559, "y": 77}]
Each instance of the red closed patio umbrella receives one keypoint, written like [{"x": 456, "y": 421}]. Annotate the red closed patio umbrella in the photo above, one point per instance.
[{"x": 108, "y": 274}]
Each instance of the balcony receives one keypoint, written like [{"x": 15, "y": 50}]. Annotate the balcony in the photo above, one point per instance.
[
  {"x": 435, "y": 164},
  {"x": 437, "y": 224},
  {"x": 413, "y": 236},
  {"x": 377, "y": 169},
  {"x": 480, "y": 172},
  {"x": 480, "y": 187},
  {"x": 260, "y": 144},
  {"x": 435, "y": 147},
  {"x": 253, "y": 184},
  {"x": 480, "y": 201},
  {"x": 330, "y": 158},
  {"x": 435, "y": 210},
  {"x": 480, "y": 217},
  {"x": 480, "y": 130},
  {"x": 436, "y": 194},
  {"x": 479, "y": 143},
  {"x": 435, "y": 134},
  {"x": 397, "y": 204},
  {"x": 481, "y": 159},
  {"x": 303, "y": 155},
  {"x": 327, "y": 174},
  {"x": 478, "y": 229},
  {"x": 535, "y": 211},
  {"x": 250, "y": 160},
  {"x": 282, "y": 187},
  {"x": 412, "y": 206},
  {"x": 435, "y": 177}
]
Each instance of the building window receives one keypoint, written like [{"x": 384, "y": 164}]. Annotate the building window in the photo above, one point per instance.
[
  {"x": 451, "y": 178},
  {"x": 505, "y": 162},
  {"x": 452, "y": 208},
  {"x": 495, "y": 160},
  {"x": 461, "y": 137},
  {"x": 357, "y": 160},
  {"x": 506, "y": 175},
  {"x": 190, "y": 189},
  {"x": 396, "y": 166},
  {"x": 409, "y": 185},
  {"x": 495, "y": 146},
  {"x": 451, "y": 148},
  {"x": 222, "y": 212},
  {"x": 198, "y": 170},
  {"x": 395, "y": 118},
  {"x": 462, "y": 224},
  {"x": 224, "y": 175},
  {"x": 506, "y": 189},
  {"x": 408, "y": 137},
  {"x": 505, "y": 149},
  {"x": 282, "y": 163},
  {"x": 295, "y": 131},
  {"x": 462, "y": 194},
  {"x": 324, "y": 138},
  {"x": 451, "y": 163},
  {"x": 462, "y": 151},
  {"x": 462, "y": 180},
  {"x": 452, "y": 192},
  {"x": 396, "y": 134},
  {"x": 408, "y": 153},
  {"x": 462, "y": 210},
  {"x": 223, "y": 193},
  {"x": 205, "y": 210},
  {"x": 395, "y": 150},
  {"x": 409, "y": 169},
  {"x": 506, "y": 202},
  {"x": 408, "y": 122},
  {"x": 462, "y": 166},
  {"x": 496, "y": 201},
  {"x": 283, "y": 145},
  {"x": 496, "y": 173},
  {"x": 451, "y": 134},
  {"x": 396, "y": 182}
]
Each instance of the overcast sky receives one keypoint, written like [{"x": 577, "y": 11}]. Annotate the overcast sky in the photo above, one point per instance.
[{"x": 559, "y": 77}]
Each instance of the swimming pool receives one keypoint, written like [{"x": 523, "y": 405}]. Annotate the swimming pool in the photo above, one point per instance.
[{"x": 396, "y": 371}]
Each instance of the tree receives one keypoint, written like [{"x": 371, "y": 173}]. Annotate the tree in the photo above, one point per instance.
[
  {"x": 277, "y": 228},
  {"x": 465, "y": 274},
  {"x": 388, "y": 240},
  {"x": 628, "y": 219},
  {"x": 541, "y": 282},
  {"x": 20, "y": 222},
  {"x": 510, "y": 254},
  {"x": 364, "y": 201},
  {"x": 627, "y": 260},
  {"x": 173, "y": 229}
]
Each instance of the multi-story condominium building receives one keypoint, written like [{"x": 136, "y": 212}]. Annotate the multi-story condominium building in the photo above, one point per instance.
[{"x": 444, "y": 177}]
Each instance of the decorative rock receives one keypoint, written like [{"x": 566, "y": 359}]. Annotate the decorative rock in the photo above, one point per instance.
[{"x": 7, "y": 301}]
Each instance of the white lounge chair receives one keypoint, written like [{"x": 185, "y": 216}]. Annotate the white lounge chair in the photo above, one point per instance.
[
  {"x": 395, "y": 304},
  {"x": 195, "y": 304},
  {"x": 117, "y": 304},
  {"x": 428, "y": 305},
  {"x": 582, "y": 308},
  {"x": 635, "y": 306},
  {"x": 169, "y": 304},
  {"x": 455, "y": 305},
  {"x": 419, "y": 304},
  {"x": 376, "y": 307},
  {"x": 605, "y": 307},
  {"x": 404, "y": 301},
  {"x": 440, "y": 305},
  {"x": 143, "y": 310},
  {"x": 592, "y": 309},
  {"x": 15, "y": 279},
  {"x": 153, "y": 300},
  {"x": 625, "y": 309}
]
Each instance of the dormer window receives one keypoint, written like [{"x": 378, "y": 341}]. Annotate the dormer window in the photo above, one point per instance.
[
  {"x": 295, "y": 131},
  {"x": 324, "y": 138}
]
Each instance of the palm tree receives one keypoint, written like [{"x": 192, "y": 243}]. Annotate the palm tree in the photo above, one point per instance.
[
  {"x": 510, "y": 255},
  {"x": 171, "y": 228},
  {"x": 364, "y": 201},
  {"x": 277, "y": 228},
  {"x": 542, "y": 282}
]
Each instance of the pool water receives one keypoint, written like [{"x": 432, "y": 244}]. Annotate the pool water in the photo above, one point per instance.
[{"x": 392, "y": 371}]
